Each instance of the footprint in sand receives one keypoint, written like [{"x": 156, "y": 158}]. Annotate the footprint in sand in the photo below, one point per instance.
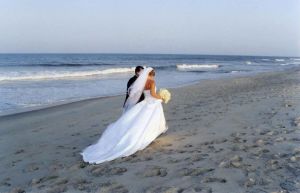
[
  {"x": 188, "y": 145},
  {"x": 16, "y": 161},
  {"x": 293, "y": 169},
  {"x": 37, "y": 181},
  {"x": 238, "y": 134},
  {"x": 112, "y": 188},
  {"x": 82, "y": 185},
  {"x": 95, "y": 125},
  {"x": 5, "y": 182},
  {"x": 37, "y": 130},
  {"x": 31, "y": 167},
  {"x": 181, "y": 151},
  {"x": 206, "y": 143},
  {"x": 153, "y": 171},
  {"x": 194, "y": 171},
  {"x": 179, "y": 139},
  {"x": 164, "y": 190},
  {"x": 235, "y": 161},
  {"x": 297, "y": 121},
  {"x": 19, "y": 151},
  {"x": 61, "y": 181},
  {"x": 213, "y": 179},
  {"x": 60, "y": 146},
  {"x": 218, "y": 150},
  {"x": 79, "y": 165},
  {"x": 219, "y": 140},
  {"x": 56, "y": 167},
  {"x": 76, "y": 134},
  {"x": 71, "y": 125},
  {"x": 295, "y": 139},
  {"x": 289, "y": 185},
  {"x": 17, "y": 190},
  {"x": 57, "y": 189},
  {"x": 173, "y": 160},
  {"x": 95, "y": 135},
  {"x": 141, "y": 159},
  {"x": 106, "y": 171}
]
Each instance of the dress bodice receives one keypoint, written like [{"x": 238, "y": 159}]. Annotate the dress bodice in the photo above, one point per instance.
[{"x": 147, "y": 94}]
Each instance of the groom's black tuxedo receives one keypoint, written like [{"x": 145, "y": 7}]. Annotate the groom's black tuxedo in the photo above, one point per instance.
[{"x": 129, "y": 83}]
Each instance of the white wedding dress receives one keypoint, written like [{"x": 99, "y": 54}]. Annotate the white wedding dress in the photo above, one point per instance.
[{"x": 133, "y": 131}]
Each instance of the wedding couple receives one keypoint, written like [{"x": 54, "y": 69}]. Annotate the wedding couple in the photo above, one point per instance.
[{"x": 142, "y": 121}]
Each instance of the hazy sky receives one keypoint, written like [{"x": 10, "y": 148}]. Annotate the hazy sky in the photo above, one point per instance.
[{"x": 238, "y": 27}]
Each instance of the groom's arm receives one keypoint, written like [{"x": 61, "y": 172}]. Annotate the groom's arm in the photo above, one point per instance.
[{"x": 130, "y": 82}]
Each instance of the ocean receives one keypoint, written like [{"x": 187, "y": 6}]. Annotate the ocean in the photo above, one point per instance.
[{"x": 29, "y": 81}]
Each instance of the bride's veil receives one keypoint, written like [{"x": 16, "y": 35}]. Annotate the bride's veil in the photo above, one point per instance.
[{"x": 136, "y": 89}]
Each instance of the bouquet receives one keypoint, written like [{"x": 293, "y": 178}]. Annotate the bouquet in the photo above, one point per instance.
[{"x": 165, "y": 95}]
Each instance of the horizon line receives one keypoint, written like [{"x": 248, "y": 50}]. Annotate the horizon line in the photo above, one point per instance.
[{"x": 124, "y": 53}]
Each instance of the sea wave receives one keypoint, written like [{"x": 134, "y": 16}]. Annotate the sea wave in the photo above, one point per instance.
[
  {"x": 163, "y": 67},
  {"x": 54, "y": 64},
  {"x": 279, "y": 60},
  {"x": 63, "y": 74},
  {"x": 285, "y": 64},
  {"x": 189, "y": 67},
  {"x": 235, "y": 71}
]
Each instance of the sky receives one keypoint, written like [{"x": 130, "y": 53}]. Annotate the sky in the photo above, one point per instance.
[{"x": 217, "y": 27}]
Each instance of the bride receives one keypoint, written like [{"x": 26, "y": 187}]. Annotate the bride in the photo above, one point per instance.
[{"x": 138, "y": 126}]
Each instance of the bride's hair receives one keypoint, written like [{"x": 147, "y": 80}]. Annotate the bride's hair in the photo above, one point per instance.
[{"x": 152, "y": 73}]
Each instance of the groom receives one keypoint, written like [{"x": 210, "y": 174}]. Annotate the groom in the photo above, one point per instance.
[{"x": 138, "y": 70}]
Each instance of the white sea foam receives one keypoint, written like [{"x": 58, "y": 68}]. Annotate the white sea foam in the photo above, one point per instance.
[
  {"x": 248, "y": 62},
  {"x": 63, "y": 74},
  {"x": 279, "y": 60},
  {"x": 197, "y": 66}
]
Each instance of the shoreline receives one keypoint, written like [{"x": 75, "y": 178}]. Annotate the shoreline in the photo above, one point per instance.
[
  {"x": 234, "y": 135},
  {"x": 68, "y": 102}
]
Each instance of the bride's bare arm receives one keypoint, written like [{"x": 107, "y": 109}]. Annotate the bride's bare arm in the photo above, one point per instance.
[{"x": 152, "y": 91}]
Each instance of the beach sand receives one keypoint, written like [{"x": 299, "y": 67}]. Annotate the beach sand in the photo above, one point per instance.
[{"x": 229, "y": 136}]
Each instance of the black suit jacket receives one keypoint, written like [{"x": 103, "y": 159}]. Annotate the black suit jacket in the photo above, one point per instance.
[{"x": 129, "y": 83}]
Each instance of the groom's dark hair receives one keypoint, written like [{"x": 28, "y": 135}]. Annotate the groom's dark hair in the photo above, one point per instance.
[{"x": 138, "y": 69}]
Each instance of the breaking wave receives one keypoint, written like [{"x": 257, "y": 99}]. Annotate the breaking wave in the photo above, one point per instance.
[
  {"x": 189, "y": 67},
  {"x": 63, "y": 74}
]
